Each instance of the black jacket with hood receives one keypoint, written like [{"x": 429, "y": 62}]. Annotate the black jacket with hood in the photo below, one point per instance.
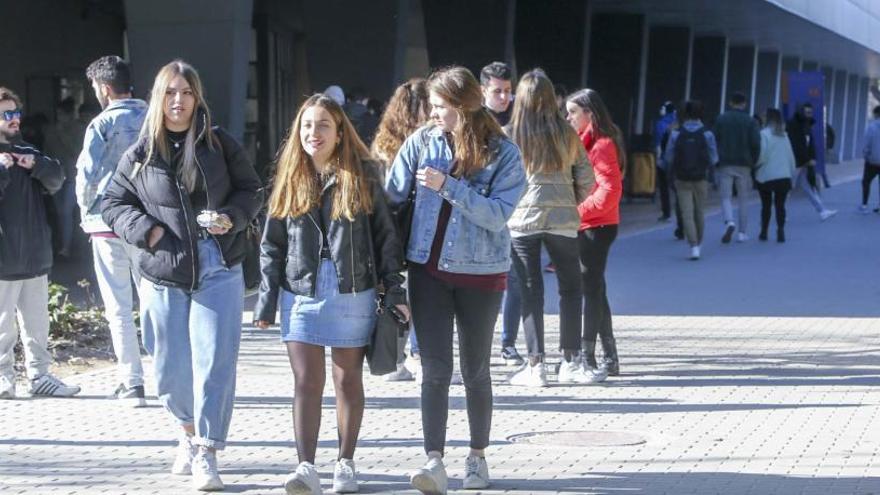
[{"x": 800, "y": 134}]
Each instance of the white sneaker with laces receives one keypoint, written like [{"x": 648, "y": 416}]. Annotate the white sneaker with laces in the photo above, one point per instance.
[
  {"x": 46, "y": 385},
  {"x": 575, "y": 371},
  {"x": 742, "y": 237},
  {"x": 345, "y": 477},
  {"x": 476, "y": 473},
  {"x": 530, "y": 376},
  {"x": 431, "y": 478},
  {"x": 204, "y": 471},
  {"x": 400, "y": 375},
  {"x": 826, "y": 214},
  {"x": 303, "y": 481},
  {"x": 695, "y": 252},
  {"x": 186, "y": 450},
  {"x": 7, "y": 388}
]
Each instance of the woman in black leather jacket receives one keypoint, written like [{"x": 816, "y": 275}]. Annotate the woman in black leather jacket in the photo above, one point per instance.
[{"x": 329, "y": 240}]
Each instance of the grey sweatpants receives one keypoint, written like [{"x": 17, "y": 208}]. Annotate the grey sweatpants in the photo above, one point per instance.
[{"x": 30, "y": 299}]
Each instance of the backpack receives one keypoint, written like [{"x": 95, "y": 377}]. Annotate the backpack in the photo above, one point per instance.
[{"x": 691, "y": 159}]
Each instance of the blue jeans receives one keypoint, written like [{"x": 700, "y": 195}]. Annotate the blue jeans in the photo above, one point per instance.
[
  {"x": 194, "y": 339},
  {"x": 512, "y": 308}
]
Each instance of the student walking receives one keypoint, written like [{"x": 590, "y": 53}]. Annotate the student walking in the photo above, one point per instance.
[
  {"x": 192, "y": 290},
  {"x": 470, "y": 178},
  {"x": 871, "y": 153},
  {"x": 559, "y": 178},
  {"x": 775, "y": 170},
  {"x": 800, "y": 133},
  {"x": 600, "y": 215},
  {"x": 329, "y": 239}
]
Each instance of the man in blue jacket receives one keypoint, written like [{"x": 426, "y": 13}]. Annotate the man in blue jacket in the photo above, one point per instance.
[{"x": 107, "y": 137}]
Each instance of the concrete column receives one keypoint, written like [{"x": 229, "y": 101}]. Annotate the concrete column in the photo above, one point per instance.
[
  {"x": 213, "y": 35},
  {"x": 862, "y": 115},
  {"x": 852, "y": 116},
  {"x": 707, "y": 75},
  {"x": 614, "y": 63},
  {"x": 839, "y": 115},
  {"x": 828, "y": 77},
  {"x": 667, "y": 69},
  {"x": 740, "y": 70},
  {"x": 766, "y": 81}
]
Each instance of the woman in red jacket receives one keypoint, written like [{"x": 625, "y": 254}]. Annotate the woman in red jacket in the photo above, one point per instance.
[{"x": 600, "y": 214}]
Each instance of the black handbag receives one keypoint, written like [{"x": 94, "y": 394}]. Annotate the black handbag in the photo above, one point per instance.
[
  {"x": 382, "y": 350},
  {"x": 250, "y": 265}
]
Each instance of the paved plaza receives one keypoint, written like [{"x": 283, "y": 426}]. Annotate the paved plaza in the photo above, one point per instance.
[{"x": 755, "y": 370}]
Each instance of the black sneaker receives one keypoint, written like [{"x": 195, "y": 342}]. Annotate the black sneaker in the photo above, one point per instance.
[
  {"x": 133, "y": 396},
  {"x": 728, "y": 233},
  {"x": 511, "y": 357}
]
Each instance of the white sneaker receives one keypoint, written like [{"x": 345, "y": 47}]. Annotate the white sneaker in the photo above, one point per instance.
[
  {"x": 530, "y": 376},
  {"x": 826, "y": 214},
  {"x": 186, "y": 450},
  {"x": 864, "y": 209},
  {"x": 574, "y": 371},
  {"x": 345, "y": 477},
  {"x": 400, "y": 375},
  {"x": 7, "y": 388},
  {"x": 414, "y": 365},
  {"x": 695, "y": 252},
  {"x": 431, "y": 478},
  {"x": 742, "y": 237},
  {"x": 204, "y": 471},
  {"x": 303, "y": 481},
  {"x": 476, "y": 473},
  {"x": 47, "y": 385}
]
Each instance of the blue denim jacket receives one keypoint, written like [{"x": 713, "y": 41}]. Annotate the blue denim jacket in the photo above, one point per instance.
[
  {"x": 477, "y": 240},
  {"x": 108, "y": 136}
]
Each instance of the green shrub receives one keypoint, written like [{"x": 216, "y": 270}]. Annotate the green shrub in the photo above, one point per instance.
[{"x": 67, "y": 319}]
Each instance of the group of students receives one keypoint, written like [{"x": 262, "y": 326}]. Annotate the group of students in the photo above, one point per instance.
[
  {"x": 735, "y": 151},
  {"x": 167, "y": 198}
]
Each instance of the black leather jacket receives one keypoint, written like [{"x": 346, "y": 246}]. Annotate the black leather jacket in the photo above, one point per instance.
[
  {"x": 143, "y": 195},
  {"x": 291, "y": 251}
]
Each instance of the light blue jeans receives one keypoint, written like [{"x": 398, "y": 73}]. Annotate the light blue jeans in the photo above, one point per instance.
[{"x": 194, "y": 339}]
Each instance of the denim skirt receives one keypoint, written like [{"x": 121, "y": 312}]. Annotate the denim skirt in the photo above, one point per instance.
[{"x": 329, "y": 319}]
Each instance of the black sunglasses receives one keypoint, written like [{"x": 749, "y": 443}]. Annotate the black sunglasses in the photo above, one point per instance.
[{"x": 12, "y": 115}]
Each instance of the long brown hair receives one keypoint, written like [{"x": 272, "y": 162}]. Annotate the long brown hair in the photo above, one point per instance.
[
  {"x": 297, "y": 188},
  {"x": 547, "y": 141},
  {"x": 600, "y": 118},
  {"x": 476, "y": 128},
  {"x": 407, "y": 110},
  {"x": 154, "y": 122}
]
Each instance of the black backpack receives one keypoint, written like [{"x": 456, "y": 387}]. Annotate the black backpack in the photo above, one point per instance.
[{"x": 691, "y": 160}]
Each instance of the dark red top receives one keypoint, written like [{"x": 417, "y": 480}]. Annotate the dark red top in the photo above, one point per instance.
[{"x": 495, "y": 282}]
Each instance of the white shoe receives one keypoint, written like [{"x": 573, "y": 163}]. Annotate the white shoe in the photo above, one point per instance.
[
  {"x": 303, "y": 481},
  {"x": 400, "y": 375},
  {"x": 345, "y": 477},
  {"x": 204, "y": 471},
  {"x": 864, "y": 209},
  {"x": 742, "y": 237},
  {"x": 826, "y": 214},
  {"x": 431, "y": 478},
  {"x": 7, "y": 388},
  {"x": 695, "y": 252},
  {"x": 414, "y": 365},
  {"x": 530, "y": 376},
  {"x": 186, "y": 450},
  {"x": 575, "y": 371},
  {"x": 47, "y": 385},
  {"x": 476, "y": 473}
]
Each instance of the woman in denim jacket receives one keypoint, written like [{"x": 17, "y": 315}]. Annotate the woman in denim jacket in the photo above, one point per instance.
[{"x": 469, "y": 178}]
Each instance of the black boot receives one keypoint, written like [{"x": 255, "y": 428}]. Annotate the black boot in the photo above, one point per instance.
[
  {"x": 590, "y": 353},
  {"x": 610, "y": 361},
  {"x": 780, "y": 234}
]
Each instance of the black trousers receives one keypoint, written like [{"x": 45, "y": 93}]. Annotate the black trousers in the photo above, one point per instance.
[
  {"x": 773, "y": 194},
  {"x": 594, "y": 246},
  {"x": 563, "y": 253},
  {"x": 437, "y": 307},
  {"x": 663, "y": 187},
  {"x": 868, "y": 175}
]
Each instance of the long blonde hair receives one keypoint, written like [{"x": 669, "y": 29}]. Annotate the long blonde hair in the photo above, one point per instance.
[
  {"x": 547, "y": 141},
  {"x": 154, "y": 123},
  {"x": 476, "y": 128},
  {"x": 407, "y": 110},
  {"x": 297, "y": 187}
]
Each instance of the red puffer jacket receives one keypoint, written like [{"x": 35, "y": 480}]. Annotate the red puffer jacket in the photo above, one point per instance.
[{"x": 602, "y": 206}]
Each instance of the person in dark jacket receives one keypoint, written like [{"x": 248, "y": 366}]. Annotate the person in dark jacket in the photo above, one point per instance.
[
  {"x": 329, "y": 240},
  {"x": 800, "y": 133},
  {"x": 192, "y": 289},
  {"x": 26, "y": 178}
]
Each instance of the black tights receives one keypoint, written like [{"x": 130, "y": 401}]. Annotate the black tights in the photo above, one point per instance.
[
  {"x": 868, "y": 175},
  {"x": 773, "y": 193},
  {"x": 307, "y": 363}
]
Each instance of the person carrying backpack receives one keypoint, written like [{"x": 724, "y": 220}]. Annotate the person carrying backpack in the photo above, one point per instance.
[{"x": 690, "y": 152}]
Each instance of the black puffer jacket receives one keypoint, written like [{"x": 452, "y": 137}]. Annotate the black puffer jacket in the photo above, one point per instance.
[
  {"x": 291, "y": 251},
  {"x": 799, "y": 133},
  {"x": 25, "y": 238},
  {"x": 143, "y": 195}
]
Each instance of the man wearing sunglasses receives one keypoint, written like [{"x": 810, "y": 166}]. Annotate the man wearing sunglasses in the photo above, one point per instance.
[{"x": 26, "y": 176}]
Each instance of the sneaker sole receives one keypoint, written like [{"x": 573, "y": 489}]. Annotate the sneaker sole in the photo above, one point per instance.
[
  {"x": 297, "y": 487},
  {"x": 479, "y": 484},
  {"x": 210, "y": 486},
  {"x": 426, "y": 485},
  {"x": 134, "y": 402},
  {"x": 728, "y": 234},
  {"x": 345, "y": 488}
]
